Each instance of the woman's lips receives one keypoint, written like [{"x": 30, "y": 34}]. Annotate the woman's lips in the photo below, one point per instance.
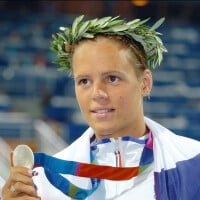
[{"x": 103, "y": 113}]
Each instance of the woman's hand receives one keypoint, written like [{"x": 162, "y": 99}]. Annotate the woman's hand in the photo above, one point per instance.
[{"x": 19, "y": 185}]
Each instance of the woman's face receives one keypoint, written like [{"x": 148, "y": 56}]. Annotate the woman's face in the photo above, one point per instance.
[{"x": 107, "y": 89}]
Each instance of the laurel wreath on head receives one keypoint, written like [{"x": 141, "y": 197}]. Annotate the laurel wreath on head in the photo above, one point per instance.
[{"x": 135, "y": 30}]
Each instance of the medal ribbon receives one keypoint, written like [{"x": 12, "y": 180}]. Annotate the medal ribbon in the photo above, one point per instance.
[{"x": 53, "y": 167}]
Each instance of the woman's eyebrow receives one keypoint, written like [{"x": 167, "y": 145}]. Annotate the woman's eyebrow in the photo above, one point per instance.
[
  {"x": 117, "y": 73},
  {"x": 81, "y": 76},
  {"x": 111, "y": 72}
]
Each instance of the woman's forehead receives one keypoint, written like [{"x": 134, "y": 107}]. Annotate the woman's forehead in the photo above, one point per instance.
[{"x": 102, "y": 48}]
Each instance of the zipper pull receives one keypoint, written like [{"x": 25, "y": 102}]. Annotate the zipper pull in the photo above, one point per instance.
[{"x": 118, "y": 154}]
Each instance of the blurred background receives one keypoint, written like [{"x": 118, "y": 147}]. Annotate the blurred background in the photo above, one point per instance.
[{"x": 37, "y": 103}]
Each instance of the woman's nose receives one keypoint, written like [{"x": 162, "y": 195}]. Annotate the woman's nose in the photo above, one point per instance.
[{"x": 99, "y": 93}]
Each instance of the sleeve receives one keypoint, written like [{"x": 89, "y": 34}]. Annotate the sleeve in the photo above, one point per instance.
[{"x": 2, "y": 182}]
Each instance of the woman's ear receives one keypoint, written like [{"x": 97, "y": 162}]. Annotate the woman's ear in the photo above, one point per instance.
[{"x": 147, "y": 83}]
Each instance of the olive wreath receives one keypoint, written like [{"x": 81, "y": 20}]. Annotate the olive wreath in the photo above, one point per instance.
[{"x": 136, "y": 29}]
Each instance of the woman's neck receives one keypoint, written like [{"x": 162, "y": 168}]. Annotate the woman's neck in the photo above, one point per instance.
[{"x": 135, "y": 132}]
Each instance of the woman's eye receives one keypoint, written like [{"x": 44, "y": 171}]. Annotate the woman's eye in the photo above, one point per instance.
[
  {"x": 84, "y": 81},
  {"x": 113, "y": 79}
]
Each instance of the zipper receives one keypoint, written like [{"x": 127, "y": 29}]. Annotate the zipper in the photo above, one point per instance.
[
  {"x": 118, "y": 155},
  {"x": 118, "y": 158}
]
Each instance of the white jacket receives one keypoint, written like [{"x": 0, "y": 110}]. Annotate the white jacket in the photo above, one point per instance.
[{"x": 172, "y": 155}]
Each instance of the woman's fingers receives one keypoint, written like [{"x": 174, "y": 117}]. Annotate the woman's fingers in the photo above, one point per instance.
[
  {"x": 21, "y": 174},
  {"x": 22, "y": 170},
  {"x": 21, "y": 188},
  {"x": 19, "y": 185}
]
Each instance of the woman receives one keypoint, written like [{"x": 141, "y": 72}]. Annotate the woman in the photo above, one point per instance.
[{"x": 129, "y": 155}]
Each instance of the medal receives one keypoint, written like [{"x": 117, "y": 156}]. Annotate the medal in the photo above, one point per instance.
[{"x": 23, "y": 156}]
